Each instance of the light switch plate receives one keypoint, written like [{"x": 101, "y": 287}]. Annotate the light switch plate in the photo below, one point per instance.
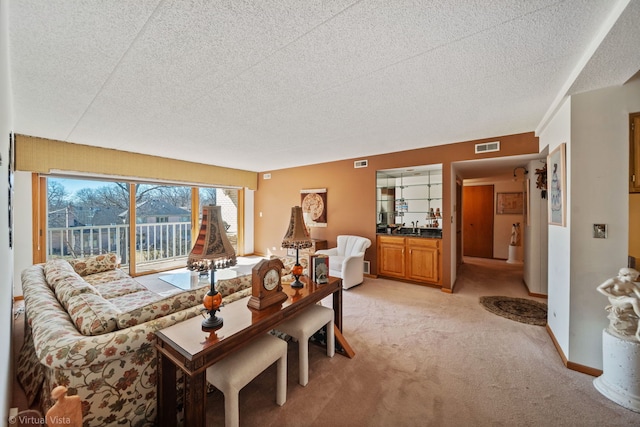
[{"x": 599, "y": 231}]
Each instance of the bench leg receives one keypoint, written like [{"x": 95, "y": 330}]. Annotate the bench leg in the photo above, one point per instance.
[
  {"x": 281, "y": 388},
  {"x": 331, "y": 340},
  {"x": 231, "y": 409},
  {"x": 303, "y": 360}
]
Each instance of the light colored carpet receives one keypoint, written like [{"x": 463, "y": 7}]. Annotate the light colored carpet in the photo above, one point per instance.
[{"x": 427, "y": 358}]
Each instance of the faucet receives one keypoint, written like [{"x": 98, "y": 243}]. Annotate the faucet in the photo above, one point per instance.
[{"x": 414, "y": 224}]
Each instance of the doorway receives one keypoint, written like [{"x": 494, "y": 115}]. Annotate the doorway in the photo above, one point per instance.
[{"x": 477, "y": 221}]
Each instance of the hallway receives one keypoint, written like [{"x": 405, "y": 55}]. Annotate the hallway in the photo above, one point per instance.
[{"x": 483, "y": 276}]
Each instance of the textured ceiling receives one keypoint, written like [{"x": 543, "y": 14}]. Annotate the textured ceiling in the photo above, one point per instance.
[{"x": 270, "y": 84}]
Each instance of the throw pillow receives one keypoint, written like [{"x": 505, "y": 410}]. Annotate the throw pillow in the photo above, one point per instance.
[{"x": 95, "y": 264}]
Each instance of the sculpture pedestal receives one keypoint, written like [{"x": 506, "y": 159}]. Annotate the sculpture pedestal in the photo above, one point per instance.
[
  {"x": 620, "y": 380},
  {"x": 515, "y": 254}
]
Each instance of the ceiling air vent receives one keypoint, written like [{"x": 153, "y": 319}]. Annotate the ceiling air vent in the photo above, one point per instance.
[
  {"x": 360, "y": 164},
  {"x": 488, "y": 147}
]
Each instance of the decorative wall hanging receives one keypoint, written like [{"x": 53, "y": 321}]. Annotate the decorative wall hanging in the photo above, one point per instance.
[
  {"x": 541, "y": 181},
  {"x": 10, "y": 169},
  {"x": 314, "y": 207},
  {"x": 556, "y": 177},
  {"x": 509, "y": 203},
  {"x": 527, "y": 207}
]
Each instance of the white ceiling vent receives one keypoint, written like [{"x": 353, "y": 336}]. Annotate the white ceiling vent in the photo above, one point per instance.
[
  {"x": 488, "y": 147},
  {"x": 360, "y": 164}
]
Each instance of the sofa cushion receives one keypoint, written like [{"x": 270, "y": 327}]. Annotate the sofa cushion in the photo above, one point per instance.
[
  {"x": 106, "y": 276},
  {"x": 236, "y": 295},
  {"x": 228, "y": 286},
  {"x": 92, "y": 314},
  {"x": 160, "y": 308},
  {"x": 95, "y": 264},
  {"x": 118, "y": 288},
  {"x": 135, "y": 300},
  {"x": 72, "y": 286},
  {"x": 58, "y": 269}
]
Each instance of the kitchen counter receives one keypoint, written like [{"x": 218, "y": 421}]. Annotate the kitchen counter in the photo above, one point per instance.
[{"x": 428, "y": 233}]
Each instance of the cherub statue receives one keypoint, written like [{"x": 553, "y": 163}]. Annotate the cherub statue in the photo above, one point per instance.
[
  {"x": 67, "y": 411},
  {"x": 624, "y": 309}
]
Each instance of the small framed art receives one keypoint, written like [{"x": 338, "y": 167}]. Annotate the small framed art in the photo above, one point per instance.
[
  {"x": 556, "y": 179},
  {"x": 319, "y": 268},
  {"x": 509, "y": 203}
]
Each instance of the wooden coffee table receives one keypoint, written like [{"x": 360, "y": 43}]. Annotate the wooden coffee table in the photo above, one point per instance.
[{"x": 185, "y": 346}]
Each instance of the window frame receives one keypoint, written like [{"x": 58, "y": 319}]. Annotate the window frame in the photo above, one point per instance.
[{"x": 40, "y": 226}]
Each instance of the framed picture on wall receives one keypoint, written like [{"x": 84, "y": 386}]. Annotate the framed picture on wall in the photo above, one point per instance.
[
  {"x": 11, "y": 166},
  {"x": 509, "y": 203},
  {"x": 526, "y": 206},
  {"x": 556, "y": 181},
  {"x": 314, "y": 207}
]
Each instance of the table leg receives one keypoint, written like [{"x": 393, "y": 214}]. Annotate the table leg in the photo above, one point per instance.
[
  {"x": 337, "y": 308},
  {"x": 343, "y": 346},
  {"x": 195, "y": 408},
  {"x": 166, "y": 411}
]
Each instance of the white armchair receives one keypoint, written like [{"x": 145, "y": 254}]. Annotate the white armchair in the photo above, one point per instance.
[{"x": 347, "y": 260}]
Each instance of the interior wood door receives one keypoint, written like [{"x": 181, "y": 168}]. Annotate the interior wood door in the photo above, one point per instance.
[
  {"x": 634, "y": 153},
  {"x": 477, "y": 221},
  {"x": 458, "y": 222}
]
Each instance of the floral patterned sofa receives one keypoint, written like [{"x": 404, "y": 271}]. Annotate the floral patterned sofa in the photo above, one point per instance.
[{"x": 91, "y": 327}]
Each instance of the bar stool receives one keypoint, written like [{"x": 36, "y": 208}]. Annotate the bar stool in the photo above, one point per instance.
[
  {"x": 235, "y": 371},
  {"x": 302, "y": 327}
]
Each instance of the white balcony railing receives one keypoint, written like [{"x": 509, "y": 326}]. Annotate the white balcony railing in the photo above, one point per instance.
[{"x": 153, "y": 242}]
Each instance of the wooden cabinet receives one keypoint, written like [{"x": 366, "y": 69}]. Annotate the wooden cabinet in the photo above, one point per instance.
[
  {"x": 423, "y": 260},
  {"x": 391, "y": 258},
  {"x": 414, "y": 259}
]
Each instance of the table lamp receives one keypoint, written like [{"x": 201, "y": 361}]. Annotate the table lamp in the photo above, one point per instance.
[
  {"x": 297, "y": 237},
  {"x": 212, "y": 250}
]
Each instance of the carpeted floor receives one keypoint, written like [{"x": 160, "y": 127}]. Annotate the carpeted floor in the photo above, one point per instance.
[{"x": 427, "y": 358}]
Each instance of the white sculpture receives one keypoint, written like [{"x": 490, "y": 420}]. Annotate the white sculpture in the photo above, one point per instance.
[
  {"x": 624, "y": 309},
  {"x": 515, "y": 235}
]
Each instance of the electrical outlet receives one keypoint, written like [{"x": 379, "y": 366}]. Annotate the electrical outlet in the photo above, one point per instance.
[{"x": 13, "y": 415}]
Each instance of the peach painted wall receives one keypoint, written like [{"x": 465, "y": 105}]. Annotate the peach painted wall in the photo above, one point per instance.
[{"x": 351, "y": 193}]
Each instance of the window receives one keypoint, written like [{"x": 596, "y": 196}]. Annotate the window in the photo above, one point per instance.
[
  {"x": 85, "y": 217},
  {"x": 88, "y": 217},
  {"x": 227, "y": 199}
]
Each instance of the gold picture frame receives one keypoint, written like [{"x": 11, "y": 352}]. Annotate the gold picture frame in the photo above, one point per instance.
[{"x": 511, "y": 203}]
